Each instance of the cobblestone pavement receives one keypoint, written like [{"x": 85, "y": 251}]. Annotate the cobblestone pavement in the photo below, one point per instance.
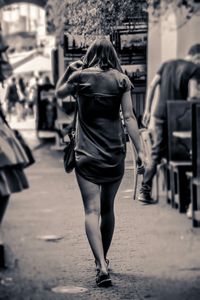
[{"x": 154, "y": 254}]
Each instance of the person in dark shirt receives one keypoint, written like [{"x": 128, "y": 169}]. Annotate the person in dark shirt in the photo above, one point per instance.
[
  {"x": 21, "y": 110},
  {"x": 12, "y": 96},
  {"x": 173, "y": 79}
]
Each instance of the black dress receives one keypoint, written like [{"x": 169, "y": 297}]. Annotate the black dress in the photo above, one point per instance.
[
  {"x": 13, "y": 159},
  {"x": 100, "y": 140}
]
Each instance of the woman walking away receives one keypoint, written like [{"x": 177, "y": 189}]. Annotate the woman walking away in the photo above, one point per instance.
[{"x": 101, "y": 89}]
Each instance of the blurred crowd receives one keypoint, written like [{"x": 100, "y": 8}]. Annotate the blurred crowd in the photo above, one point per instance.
[{"x": 21, "y": 96}]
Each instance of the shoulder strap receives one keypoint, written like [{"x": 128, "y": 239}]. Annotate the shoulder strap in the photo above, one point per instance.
[
  {"x": 75, "y": 117},
  {"x": 76, "y": 108}
]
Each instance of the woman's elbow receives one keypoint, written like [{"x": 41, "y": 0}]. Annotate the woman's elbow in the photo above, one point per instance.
[
  {"x": 129, "y": 118},
  {"x": 60, "y": 93},
  {"x": 57, "y": 93}
]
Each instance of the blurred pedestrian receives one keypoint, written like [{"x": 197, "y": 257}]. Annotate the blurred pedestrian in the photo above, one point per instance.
[
  {"x": 33, "y": 94},
  {"x": 21, "y": 104},
  {"x": 101, "y": 89},
  {"x": 12, "y": 97},
  {"x": 29, "y": 106},
  {"x": 46, "y": 80},
  {"x": 173, "y": 79}
]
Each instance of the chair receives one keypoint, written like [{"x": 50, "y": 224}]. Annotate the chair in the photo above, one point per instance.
[
  {"x": 196, "y": 164},
  {"x": 179, "y": 152}
]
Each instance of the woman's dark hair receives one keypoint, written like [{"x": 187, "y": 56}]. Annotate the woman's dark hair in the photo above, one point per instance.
[{"x": 102, "y": 53}]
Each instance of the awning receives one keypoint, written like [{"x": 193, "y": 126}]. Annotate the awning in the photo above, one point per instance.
[{"x": 37, "y": 64}]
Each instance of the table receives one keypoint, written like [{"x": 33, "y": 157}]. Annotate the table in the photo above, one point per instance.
[{"x": 183, "y": 134}]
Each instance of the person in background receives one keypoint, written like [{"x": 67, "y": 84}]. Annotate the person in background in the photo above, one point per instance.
[
  {"x": 46, "y": 80},
  {"x": 33, "y": 93},
  {"x": 28, "y": 99},
  {"x": 100, "y": 151},
  {"x": 173, "y": 79},
  {"x": 21, "y": 104},
  {"x": 194, "y": 83},
  {"x": 12, "y": 97}
]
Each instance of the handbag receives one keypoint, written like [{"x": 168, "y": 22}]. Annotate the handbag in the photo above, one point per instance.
[{"x": 69, "y": 152}]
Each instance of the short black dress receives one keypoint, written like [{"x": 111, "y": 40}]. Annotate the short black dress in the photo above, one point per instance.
[
  {"x": 13, "y": 159},
  {"x": 100, "y": 139}
]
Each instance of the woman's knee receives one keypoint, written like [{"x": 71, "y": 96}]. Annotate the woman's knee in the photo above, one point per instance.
[
  {"x": 92, "y": 211},
  {"x": 92, "y": 205}
]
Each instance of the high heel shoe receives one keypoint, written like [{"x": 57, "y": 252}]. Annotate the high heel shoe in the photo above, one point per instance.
[{"x": 103, "y": 280}]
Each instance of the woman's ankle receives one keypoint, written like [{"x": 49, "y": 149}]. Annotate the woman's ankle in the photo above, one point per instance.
[{"x": 102, "y": 267}]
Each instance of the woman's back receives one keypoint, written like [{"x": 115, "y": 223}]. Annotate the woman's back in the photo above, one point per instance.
[{"x": 100, "y": 92}]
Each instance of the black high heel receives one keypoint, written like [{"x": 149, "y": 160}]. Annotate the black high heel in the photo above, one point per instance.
[{"x": 103, "y": 280}]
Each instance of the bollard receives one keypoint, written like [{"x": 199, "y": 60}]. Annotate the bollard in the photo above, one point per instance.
[
  {"x": 2, "y": 255},
  {"x": 3, "y": 205}
]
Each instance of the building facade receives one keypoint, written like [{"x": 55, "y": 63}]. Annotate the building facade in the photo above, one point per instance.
[
  {"x": 23, "y": 25},
  {"x": 171, "y": 36}
]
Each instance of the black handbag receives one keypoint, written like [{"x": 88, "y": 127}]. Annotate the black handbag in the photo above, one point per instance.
[{"x": 69, "y": 152}]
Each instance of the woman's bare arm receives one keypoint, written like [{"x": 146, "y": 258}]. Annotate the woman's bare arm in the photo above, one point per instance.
[
  {"x": 193, "y": 88},
  {"x": 62, "y": 89},
  {"x": 131, "y": 122},
  {"x": 149, "y": 99}
]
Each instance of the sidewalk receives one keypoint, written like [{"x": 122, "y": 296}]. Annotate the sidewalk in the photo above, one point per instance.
[{"x": 154, "y": 254}]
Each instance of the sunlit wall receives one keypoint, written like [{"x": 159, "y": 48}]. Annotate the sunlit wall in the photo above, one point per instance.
[{"x": 170, "y": 37}]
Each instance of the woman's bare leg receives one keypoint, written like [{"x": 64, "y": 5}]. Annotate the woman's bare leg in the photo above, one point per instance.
[
  {"x": 91, "y": 199},
  {"x": 108, "y": 193}
]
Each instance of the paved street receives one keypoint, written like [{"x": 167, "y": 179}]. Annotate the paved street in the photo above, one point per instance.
[{"x": 155, "y": 250}]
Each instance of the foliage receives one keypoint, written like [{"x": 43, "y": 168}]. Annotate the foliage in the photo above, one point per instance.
[
  {"x": 93, "y": 17},
  {"x": 97, "y": 17},
  {"x": 160, "y": 7}
]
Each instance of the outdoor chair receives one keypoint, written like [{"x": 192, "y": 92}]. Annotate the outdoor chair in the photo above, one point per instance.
[{"x": 179, "y": 151}]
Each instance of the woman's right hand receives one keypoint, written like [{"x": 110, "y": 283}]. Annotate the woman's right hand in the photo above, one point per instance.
[{"x": 146, "y": 118}]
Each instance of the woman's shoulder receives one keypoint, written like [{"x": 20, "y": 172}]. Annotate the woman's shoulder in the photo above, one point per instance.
[
  {"x": 111, "y": 73},
  {"x": 123, "y": 80},
  {"x": 119, "y": 74},
  {"x": 74, "y": 76},
  {"x": 91, "y": 70}
]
